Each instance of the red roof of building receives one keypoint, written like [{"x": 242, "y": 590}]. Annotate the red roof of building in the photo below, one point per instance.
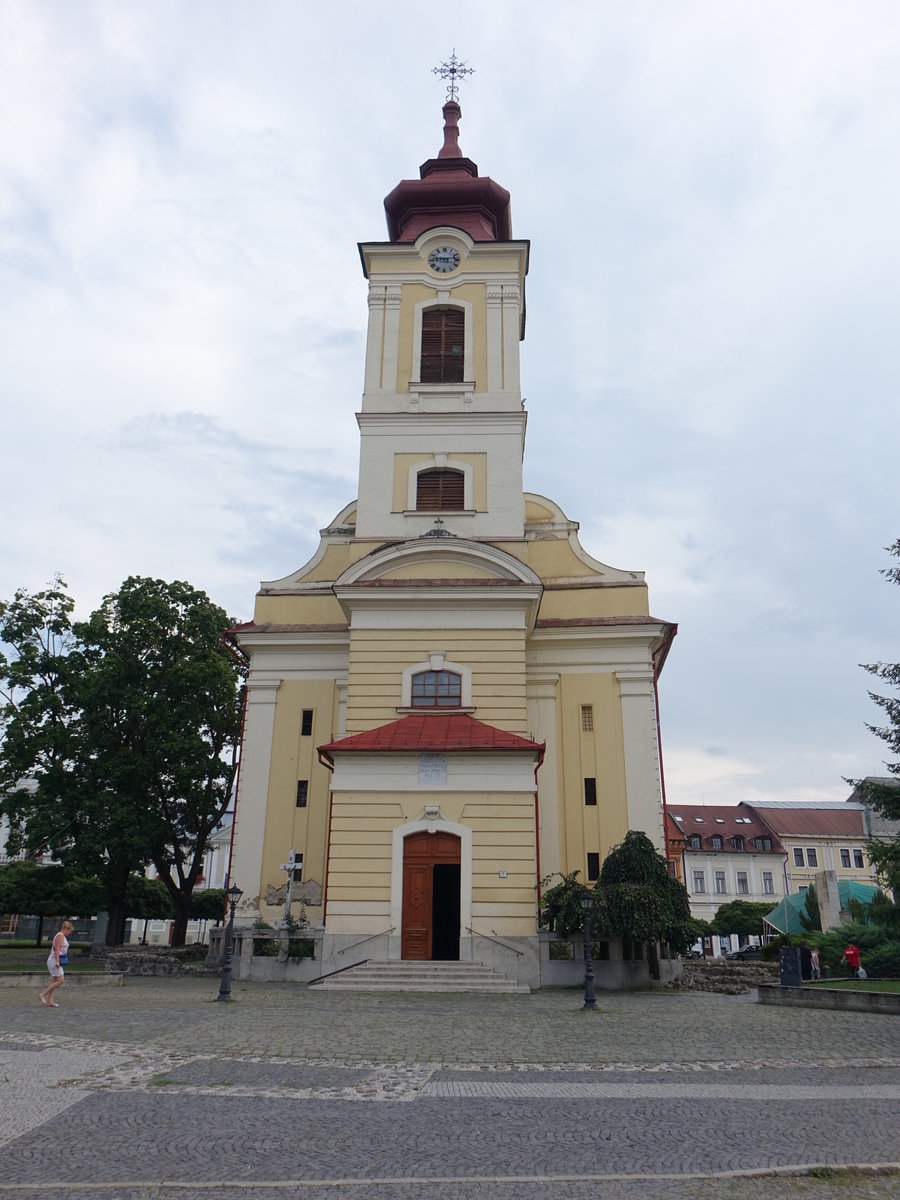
[
  {"x": 809, "y": 820},
  {"x": 435, "y": 732},
  {"x": 726, "y": 821}
]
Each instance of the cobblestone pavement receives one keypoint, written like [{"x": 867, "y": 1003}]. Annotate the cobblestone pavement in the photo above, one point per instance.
[{"x": 154, "y": 1091}]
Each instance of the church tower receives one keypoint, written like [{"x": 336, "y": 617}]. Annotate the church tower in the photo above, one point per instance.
[{"x": 451, "y": 699}]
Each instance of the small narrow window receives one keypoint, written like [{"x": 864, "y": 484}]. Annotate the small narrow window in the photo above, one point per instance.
[
  {"x": 443, "y": 344},
  {"x": 590, "y": 791},
  {"x": 720, "y": 883},
  {"x": 440, "y": 490},
  {"x": 436, "y": 689},
  {"x": 587, "y": 718},
  {"x": 306, "y": 722},
  {"x": 766, "y": 844},
  {"x": 699, "y": 882},
  {"x": 812, "y": 859},
  {"x": 742, "y": 883},
  {"x": 858, "y": 860},
  {"x": 593, "y": 865},
  {"x": 738, "y": 843},
  {"x": 798, "y": 857},
  {"x": 768, "y": 883},
  {"x": 716, "y": 842},
  {"x": 298, "y": 868},
  {"x": 845, "y": 858},
  {"x": 695, "y": 841},
  {"x": 302, "y": 792}
]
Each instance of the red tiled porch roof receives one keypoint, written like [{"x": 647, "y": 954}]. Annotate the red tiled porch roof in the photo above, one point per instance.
[{"x": 432, "y": 732}]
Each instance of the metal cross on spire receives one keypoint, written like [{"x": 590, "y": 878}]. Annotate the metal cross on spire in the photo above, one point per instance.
[{"x": 454, "y": 70}]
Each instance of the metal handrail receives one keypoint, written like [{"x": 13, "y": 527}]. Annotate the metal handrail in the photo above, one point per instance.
[
  {"x": 488, "y": 938},
  {"x": 349, "y": 967},
  {"x": 362, "y": 941}
]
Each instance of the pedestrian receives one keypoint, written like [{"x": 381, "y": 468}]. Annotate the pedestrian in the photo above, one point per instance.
[
  {"x": 814, "y": 963},
  {"x": 56, "y": 961},
  {"x": 851, "y": 958}
]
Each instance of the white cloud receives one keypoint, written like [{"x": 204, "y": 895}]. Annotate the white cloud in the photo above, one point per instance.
[{"x": 711, "y": 360}]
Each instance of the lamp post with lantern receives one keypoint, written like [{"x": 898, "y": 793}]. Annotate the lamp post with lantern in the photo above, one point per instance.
[
  {"x": 234, "y": 894},
  {"x": 586, "y": 901}
]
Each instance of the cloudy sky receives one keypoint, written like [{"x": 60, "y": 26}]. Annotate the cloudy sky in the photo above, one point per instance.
[{"x": 712, "y": 193}]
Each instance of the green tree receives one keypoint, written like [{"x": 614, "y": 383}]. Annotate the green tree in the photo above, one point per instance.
[
  {"x": 883, "y": 795},
  {"x": 635, "y": 898},
  {"x": 208, "y": 904},
  {"x": 36, "y": 717},
  {"x": 640, "y": 899},
  {"x": 32, "y": 890},
  {"x": 120, "y": 735},
  {"x": 160, "y": 711},
  {"x": 810, "y": 915},
  {"x": 741, "y": 917}
]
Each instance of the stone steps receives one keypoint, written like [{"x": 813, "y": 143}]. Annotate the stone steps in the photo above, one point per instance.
[{"x": 422, "y": 977}]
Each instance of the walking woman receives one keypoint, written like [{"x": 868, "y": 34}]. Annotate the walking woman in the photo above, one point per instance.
[{"x": 58, "y": 957}]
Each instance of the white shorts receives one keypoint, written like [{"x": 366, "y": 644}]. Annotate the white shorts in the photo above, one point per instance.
[{"x": 55, "y": 971}]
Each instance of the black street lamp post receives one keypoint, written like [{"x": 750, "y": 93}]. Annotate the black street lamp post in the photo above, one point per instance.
[
  {"x": 234, "y": 894},
  {"x": 587, "y": 903}
]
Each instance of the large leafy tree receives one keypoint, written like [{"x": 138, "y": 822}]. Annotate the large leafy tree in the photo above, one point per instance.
[
  {"x": 120, "y": 735},
  {"x": 743, "y": 917},
  {"x": 160, "y": 710},
  {"x": 635, "y": 898},
  {"x": 883, "y": 795}
]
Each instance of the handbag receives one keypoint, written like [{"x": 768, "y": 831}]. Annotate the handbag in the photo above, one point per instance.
[{"x": 64, "y": 960}]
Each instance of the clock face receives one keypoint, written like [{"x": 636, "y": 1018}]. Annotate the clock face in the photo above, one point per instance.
[{"x": 443, "y": 259}]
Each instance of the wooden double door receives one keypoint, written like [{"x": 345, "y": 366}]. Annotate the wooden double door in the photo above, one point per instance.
[{"x": 431, "y": 881}]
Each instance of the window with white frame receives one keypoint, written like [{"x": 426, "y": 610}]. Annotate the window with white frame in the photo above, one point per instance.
[
  {"x": 699, "y": 882},
  {"x": 721, "y": 887},
  {"x": 695, "y": 841},
  {"x": 738, "y": 842},
  {"x": 716, "y": 842},
  {"x": 845, "y": 858},
  {"x": 743, "y": 886},
  {"x": 798, "y": 857},
  {"x": 858, "y": 860},
  {"x": 768, "y": 883},
  {"x": 812, "y": 858}
]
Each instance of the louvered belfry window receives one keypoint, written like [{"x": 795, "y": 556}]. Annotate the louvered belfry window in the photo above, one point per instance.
[
  {"x": 443, "y": 342},
  {"x": 439, "y": 490}
]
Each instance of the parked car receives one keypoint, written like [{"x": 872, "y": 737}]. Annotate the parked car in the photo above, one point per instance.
[{"x": 745, "y": 954}]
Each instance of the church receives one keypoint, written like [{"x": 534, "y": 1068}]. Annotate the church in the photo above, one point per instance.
[{"x": 452, "y": 700}]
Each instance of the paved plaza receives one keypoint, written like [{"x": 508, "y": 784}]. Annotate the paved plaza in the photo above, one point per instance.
[{"x": 153, "y": 1091}]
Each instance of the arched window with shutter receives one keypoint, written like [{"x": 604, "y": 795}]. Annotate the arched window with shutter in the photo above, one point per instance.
[
  {"x": 440, "y": 489},
  {"x": 443, "y": 345}
]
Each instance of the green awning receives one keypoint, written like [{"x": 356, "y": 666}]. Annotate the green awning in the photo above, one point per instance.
[{"x": 786, "y": 917}]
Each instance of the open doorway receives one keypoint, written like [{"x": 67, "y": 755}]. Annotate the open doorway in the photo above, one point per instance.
[{"x": 431, "y": 897}]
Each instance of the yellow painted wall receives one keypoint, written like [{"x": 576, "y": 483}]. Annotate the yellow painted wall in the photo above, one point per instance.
[
  {"x": 597, "y": 755},
  {"x": 502, "y": 827},
  {"x": 293, "y": 758},
  {"x": 377, "y": 659},
  {"x": 593, "y": 602}
]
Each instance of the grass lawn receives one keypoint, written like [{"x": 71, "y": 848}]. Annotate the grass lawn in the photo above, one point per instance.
[
  {"x": 861, "y": 985},
  {"x": 17, "y": 957}
]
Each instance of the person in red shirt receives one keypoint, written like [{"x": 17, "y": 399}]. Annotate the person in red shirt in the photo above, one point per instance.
[{"x": 851, "y": 958}]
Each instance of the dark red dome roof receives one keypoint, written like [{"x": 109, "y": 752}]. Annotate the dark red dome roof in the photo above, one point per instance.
[{"x": 449, "y": 192}]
